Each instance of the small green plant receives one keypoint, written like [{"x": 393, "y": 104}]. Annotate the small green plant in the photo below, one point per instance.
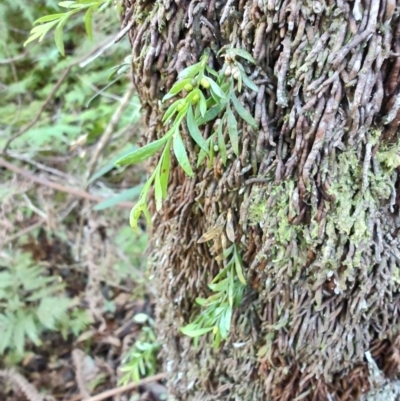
[
  {"x": 141, "y": 359},
  {"x": 58, "y": 21},
  {"x": 31, "y": 303},
  {"x": 228, "y": 287},
  {"x": 207, "y": 95}
]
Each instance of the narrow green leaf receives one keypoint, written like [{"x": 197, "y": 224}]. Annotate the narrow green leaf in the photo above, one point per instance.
[
  {"x": 210, "y": 115},
  {"x": 128, "y": 194},
  {"x": 48, "y": 18},
  {"x": 181, "y": 155},
  {"x": 88, "y": 22},
  {"x": 217, "y": 339},
  {"x": 40, "y": 31},
  {"x": 220, "y": 285},
  {"x": 192, "y": 332},
  {"x": 242, "y": 53},
  {"x": 59, "y": 37},
  {"x": 202, "y": 104},
  {"x": 111, "y": 164},
  {"x": 165, "y": 168},
  {"x": 238, "y": 268},
  {"x": 178, "y": 87},
  {"x": 221, "y": 143},
  {"x": 202, "y": 153},
  {"x": 216, "y": 89},
  {"x": 32, "y": 37},
  {"x": 66, "y": 4},
  {"x": 194, "y": 130},
  {"x": 143, "y": 153},
  {"x": 221, "y": 274},
  {"x": 171, "y": 110},
  {"x": 247, "y": 81},
  {"x": 135, "y": 213},
  {"x": 240, "y": 81},
  {"x": 212, "y": 71},
  {"x": 191, "y": 71},
  {"x": 231, "y": 288},
  {"x": 233, "y": 131},
  {"x": 147, "y": 215},
  {"x": 201, "y": 301},
  {"x": 226, "y": 322},
  {"x": 158, "y": 191},
  {"x": 243, "y": 112}
]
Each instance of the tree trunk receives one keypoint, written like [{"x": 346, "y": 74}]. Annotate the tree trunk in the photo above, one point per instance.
[{"x": 314, "y": 195}]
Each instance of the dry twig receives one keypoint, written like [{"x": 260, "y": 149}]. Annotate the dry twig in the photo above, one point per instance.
[
  {"x": 122, "y": 389},
  {"x": 58, "y": 187}
]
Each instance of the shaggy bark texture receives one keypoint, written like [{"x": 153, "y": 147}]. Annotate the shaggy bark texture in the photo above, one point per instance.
[{"x": 315, "y": 196}]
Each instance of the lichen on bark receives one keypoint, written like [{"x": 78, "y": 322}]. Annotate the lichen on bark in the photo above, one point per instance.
[{"x": 315, "y": 192}]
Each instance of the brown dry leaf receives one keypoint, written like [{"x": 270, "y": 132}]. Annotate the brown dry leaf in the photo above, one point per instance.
[
  {"x": 215, "y": 231},
  {"x": 230, "y": 231}
]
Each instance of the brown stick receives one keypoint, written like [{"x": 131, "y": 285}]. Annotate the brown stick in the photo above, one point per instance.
[
  {"x": 110, "y": 130},
  {"x": 122, "y": 389},
  {"x": 58, "y": 187}
]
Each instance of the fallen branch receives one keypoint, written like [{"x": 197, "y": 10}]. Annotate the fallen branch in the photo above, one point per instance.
[
  {"x": 122, "y": 389},
  {"x": 58, "y": 187}
]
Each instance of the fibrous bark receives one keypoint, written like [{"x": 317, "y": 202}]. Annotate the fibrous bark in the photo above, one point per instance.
[{"x": 315, "y": 191}]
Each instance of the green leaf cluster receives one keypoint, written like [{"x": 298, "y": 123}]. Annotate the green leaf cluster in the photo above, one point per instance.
[
  {"x": 207, "y": 95},
  {"x": 32, "y": 302},
  {"x": 228, "y": 288},
  {"x": 66, "y": 121},
  {"x": 58, "y": 21},
  {"x": 141, "y": 359}
]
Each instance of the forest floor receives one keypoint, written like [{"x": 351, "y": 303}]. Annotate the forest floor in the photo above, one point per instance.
[
  {"x": 101, "y": 263},
  {"x": 65, "y": 237}
]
